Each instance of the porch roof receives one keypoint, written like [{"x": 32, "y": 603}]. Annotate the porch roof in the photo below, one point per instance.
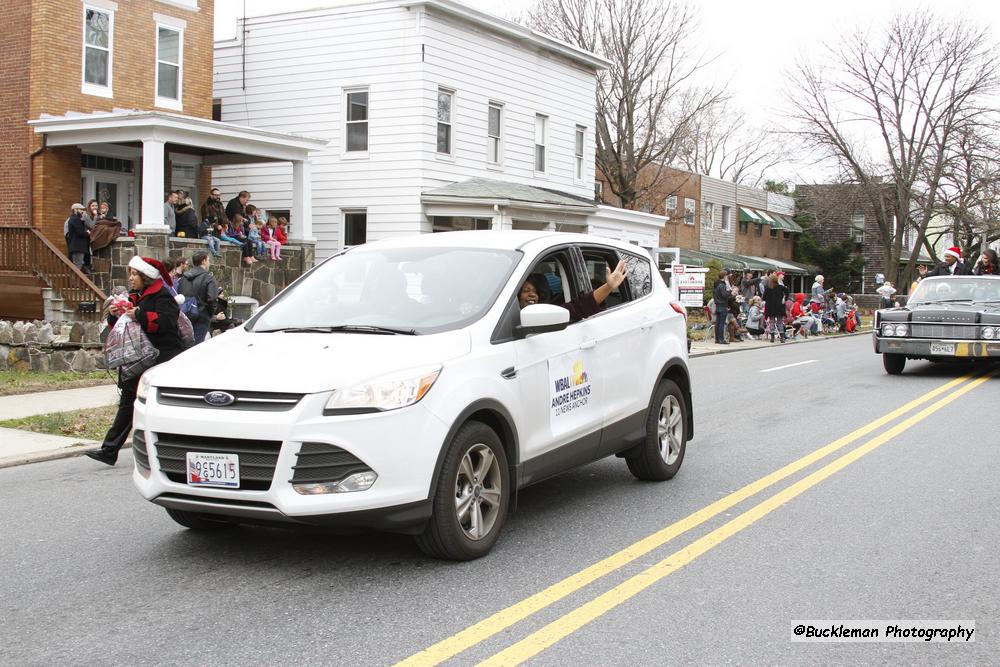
[
  {"x": 502, "y": 193},
  {"x": 218, "y": 143}
]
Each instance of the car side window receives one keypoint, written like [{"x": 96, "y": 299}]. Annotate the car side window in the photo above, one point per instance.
[
  {"x": 597, "y": 262},
  {"x": 553, "y": 273},
  {"x": 640, "y": 275}
]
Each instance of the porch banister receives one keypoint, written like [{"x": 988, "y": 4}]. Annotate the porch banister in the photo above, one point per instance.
[
  {"x": 151, "y": 215},
  {"x": 301, "y": 212}
]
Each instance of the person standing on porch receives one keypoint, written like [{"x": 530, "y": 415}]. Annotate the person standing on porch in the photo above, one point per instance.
[
  {"x": 77, "y": 236},
  {"x": 170, "y": 212}
]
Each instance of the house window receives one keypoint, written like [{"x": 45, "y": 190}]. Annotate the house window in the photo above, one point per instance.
[
  {"x": 217, "y": 110},
  {"x": 357, "y": 121},
  {"x": 494, "y": 133},
  {"x": 689, "y": 211},
  {"x": 445, "y": 99},
  {"x": 598, "y": 191},
  {"x": 98, "y": 42},
  {"x": 858, "y": 228},
  {"x": 744, "y": 227},
  {"x": 581, "y": 133},
  {"x": 727, "y": 213},
  {"x": 169, "y": 47},
  {"x": 758, "y": 230},
  {"x": 541, "y": 139},
  {"x": 355, "y": 227},
  {"x": 707, "y": 213},
  {"x": 788, "y": 236},
  {"x": 671, "y": 204},
  {"x": 774, "y": 233}
]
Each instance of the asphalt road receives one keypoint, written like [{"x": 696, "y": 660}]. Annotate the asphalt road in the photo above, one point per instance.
[{"x": 905, "y": 527}]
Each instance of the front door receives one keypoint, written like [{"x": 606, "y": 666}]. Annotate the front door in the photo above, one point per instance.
[{"x": 115, "y": 189}]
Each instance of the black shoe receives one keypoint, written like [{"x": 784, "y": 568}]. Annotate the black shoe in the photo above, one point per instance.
[{"x": 102, "y": 455}]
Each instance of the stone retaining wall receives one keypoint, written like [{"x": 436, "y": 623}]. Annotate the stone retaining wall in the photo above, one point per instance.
[{"x": 51, "y": 346}]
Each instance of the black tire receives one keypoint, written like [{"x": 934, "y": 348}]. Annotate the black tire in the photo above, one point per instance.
[
  {"x": 893, "y": 363},
  {"x": 447, "y": 536},
  {"x": 648, "y": 462},
  {"x": 198, "y": 522}
]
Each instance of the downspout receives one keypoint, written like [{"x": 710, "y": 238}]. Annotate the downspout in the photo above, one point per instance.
[{"x": 31, "y": 178}]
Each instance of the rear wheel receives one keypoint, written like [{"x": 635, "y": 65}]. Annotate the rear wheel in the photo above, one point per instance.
[
  {"x": 472, "y": 496},
  {"x": 198, "y": 521},
  {"x": 893, "y": 363},
  {"x": 660, "y": 455}
]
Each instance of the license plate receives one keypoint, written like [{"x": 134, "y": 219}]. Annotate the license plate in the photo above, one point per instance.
[
  {"x": 943, "y": 348},
  {"x": 213, "y": 470}
]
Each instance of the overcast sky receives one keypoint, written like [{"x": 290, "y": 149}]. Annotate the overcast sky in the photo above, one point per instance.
[{"x": 753, "y": 41}]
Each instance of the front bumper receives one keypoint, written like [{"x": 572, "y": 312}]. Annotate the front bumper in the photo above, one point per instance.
[
  {"x": 921, "y": 347},
  {"x": 401, "y": 446}
]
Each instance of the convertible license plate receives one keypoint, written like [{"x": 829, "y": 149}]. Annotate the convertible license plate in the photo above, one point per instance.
[
  {"x": 943, "y": 348},
  {"x": 213, "y": 470}
]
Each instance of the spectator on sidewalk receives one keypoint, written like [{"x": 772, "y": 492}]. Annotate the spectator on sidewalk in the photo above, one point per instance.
[
  {"x": 720, "y": 294},
  {"x": 817, "y": 296},
  {"x": 755, "y": 318},
  {"x": 154, "y": 309},
  {"x": 886, "y": 292},
  {"x": 774, "y": 308},
  {"x": 200, "y": 284}
]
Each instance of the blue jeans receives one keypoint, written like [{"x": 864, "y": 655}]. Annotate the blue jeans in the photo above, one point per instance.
[
  {"x": 200, "y": 331},
  {"x": 213, "y": 244},
  {"x": 720, "y": 325}
]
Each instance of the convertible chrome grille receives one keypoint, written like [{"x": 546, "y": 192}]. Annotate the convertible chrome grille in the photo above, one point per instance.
[
  {"x": 258, "y": 401},
  {"x": 257, "y": 457},
  {"x": 944, "y": 331},
  {"x": 319, "y": 462}
]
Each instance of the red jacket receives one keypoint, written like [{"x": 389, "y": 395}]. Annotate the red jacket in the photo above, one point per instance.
[{"x": 279, "y": 235}]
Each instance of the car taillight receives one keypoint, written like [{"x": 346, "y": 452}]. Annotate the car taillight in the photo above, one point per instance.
[{"x": 680, "y": 309}]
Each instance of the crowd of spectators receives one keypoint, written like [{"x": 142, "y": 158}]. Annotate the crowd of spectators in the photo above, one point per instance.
[
  {"x": 752, "y": 305},
  {"x": 237, "y": 223}
]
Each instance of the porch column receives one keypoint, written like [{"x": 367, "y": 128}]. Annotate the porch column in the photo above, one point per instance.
[
  {"x": 151, "y": 214},
  {"x": 302, "y": 201},
  {"x": 501, "y": 221}
]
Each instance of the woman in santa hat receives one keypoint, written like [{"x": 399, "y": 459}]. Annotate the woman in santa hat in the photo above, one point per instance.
[
  {"x": 154, "y": 308},
  {"x": 952, "y": 264}
]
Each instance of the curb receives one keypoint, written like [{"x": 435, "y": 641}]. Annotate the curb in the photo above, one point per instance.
[
  {"x": 811, "y": 339},
  {"x": 53, "y": 455}
]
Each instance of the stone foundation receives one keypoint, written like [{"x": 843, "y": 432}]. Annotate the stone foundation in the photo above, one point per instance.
[
  {"x": 51, "y": 346},
  {"x": 260, "y": 281}
]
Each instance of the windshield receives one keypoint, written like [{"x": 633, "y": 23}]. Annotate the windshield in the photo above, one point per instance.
[
  {"x": 393, "y": 290},
  {"x": 954, "y": 290}
]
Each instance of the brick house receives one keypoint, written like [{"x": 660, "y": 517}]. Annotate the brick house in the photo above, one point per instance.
[{"x": 110, "y": 101}]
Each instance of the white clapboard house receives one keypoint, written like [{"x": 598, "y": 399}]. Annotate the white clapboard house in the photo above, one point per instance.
[{"x": 439, "y": 117}]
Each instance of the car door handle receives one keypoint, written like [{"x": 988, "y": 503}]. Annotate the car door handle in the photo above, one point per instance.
[
  {"x": 508, "y": 373},
  {"x": 588, "y": 345}
]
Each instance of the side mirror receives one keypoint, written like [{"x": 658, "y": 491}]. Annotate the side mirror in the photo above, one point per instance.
[{"x": 541, "y": 318}]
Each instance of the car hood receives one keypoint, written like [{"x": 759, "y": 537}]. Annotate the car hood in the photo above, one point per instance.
[{"x": 304, "y": 363}]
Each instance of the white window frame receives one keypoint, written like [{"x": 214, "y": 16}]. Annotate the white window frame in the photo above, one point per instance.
[
  {"x": 858, "y": 228},
  {"x": 356, "y": 154},
  {"x": 691, "y": 210},
  {"x": 542, "y": 124},
  {"x": 344, "y": 212},
  {"x": 450, "y": 123},
  {"x": 671, "y": 205},
  {"x": 599, "y": 190},
  {"x": 104, "y": 7},
  {"x": 579, "y": 150},
  {"x": 727, "y": 212},
  {"x": 707, "y": 214},
  {"x": 178, "y": 26},
  {"x": 494, "y": 144}
]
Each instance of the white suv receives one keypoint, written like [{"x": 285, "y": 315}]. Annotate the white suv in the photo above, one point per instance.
[{"x": 403, "y": 386}]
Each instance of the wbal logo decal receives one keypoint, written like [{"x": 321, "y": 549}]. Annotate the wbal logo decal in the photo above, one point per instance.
[{"x": 219, "y": 398}]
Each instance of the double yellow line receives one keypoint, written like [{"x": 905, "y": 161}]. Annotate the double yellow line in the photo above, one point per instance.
[{"x": 574, "y": 620}]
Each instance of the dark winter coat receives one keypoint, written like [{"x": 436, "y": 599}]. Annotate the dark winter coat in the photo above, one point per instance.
[
  {"x": 214, "y": 212},
  {"x": 187, "y": 222},
  {"x": 721, "y": 294},
  {"x": 961, "y": 269},
  {"x": 156, "y": 311},
  {"x": 77, "y": 237},
  {"x": 200, "y": 284},
  {"x": 774, "y": 300}
]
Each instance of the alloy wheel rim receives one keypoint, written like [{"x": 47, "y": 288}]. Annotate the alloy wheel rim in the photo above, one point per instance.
[
  {"x": 478, "y": 491},
  {"x": 670, "y": 429}
]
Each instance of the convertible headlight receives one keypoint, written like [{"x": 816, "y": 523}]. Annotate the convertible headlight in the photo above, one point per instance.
[
  {"x": 383, "y": 394},
  {"x": 901, "y": 330},
  {"x": 144, "y": 385},
  {"x": 888, "y": 330},
  {"x": 989, "y": 332}
]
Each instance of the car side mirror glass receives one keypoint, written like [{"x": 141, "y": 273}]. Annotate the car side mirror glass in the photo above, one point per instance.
[{"x": 541, "y": 318}]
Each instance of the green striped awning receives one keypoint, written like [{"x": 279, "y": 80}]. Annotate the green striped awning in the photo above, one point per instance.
[
  {"x": 770, "y": 220},
  {"x": 747, "y": 215}
]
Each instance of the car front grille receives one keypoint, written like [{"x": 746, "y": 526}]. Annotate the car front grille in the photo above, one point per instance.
[
  {"x": 139, "y": 451},
  {"x": 945, "y": 331},
  {"x": 257, "y": 457},
  {"x": 319, "y": 462},
  {"x": 259, "y": 401}
]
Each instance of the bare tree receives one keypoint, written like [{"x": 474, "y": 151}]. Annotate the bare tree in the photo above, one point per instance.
[
  {"x": 646, "y": 99},
  {"x": 720, "y": 143},
  {"x": 888, "y": 108}
]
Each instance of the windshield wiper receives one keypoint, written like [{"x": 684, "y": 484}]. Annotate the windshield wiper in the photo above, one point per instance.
[
  {"x": 297, "y": 330},
  {"x": 344, "y": 328},
  {"x": 924, "y": 303}
]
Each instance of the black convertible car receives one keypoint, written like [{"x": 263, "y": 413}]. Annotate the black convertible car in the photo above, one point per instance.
[{"x": 946, "y": 318}]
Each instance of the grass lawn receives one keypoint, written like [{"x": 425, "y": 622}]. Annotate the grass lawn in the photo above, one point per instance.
[
  {"x": 89, "y": 424},
  {"x": 28, "y": 382}
]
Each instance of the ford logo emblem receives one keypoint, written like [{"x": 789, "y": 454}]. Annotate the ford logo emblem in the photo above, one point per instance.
[{"x": 219, "y": 398}]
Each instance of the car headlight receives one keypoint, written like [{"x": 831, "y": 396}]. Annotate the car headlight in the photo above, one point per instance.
[
  {"x": 901, "y": 330},
  {"x": 989, "y": 332},
  {"x": 383, "y": 394},
  {"x": 144, "y": 385},
  {"x": 888, "y": 330}
]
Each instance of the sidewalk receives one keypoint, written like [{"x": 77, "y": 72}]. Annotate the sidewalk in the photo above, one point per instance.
[
  {"x": 700, "y": 348},
  {"x": 18, "y": 447}
]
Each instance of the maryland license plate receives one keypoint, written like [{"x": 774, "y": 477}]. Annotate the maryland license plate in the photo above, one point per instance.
[
  {"x": 943, "y": 349},
  {"x": 205, "y": 469}
]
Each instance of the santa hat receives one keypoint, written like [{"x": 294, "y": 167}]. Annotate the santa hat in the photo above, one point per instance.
[
  {"x": 151, "y": 268},
  {"x": 955, "y": 252}
]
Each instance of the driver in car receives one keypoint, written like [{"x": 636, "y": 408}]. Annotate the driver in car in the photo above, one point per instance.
[{"x": 536, "y": 290}]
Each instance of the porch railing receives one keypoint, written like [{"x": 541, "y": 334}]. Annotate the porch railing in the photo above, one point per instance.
[{"x": 25, "y": 249}]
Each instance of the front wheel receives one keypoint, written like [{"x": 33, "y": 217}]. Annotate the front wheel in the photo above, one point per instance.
[
  {"x": 893, "y": 363},
  {"x": 660, "y": 455},
  {"x": 471, "y": 499}
]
